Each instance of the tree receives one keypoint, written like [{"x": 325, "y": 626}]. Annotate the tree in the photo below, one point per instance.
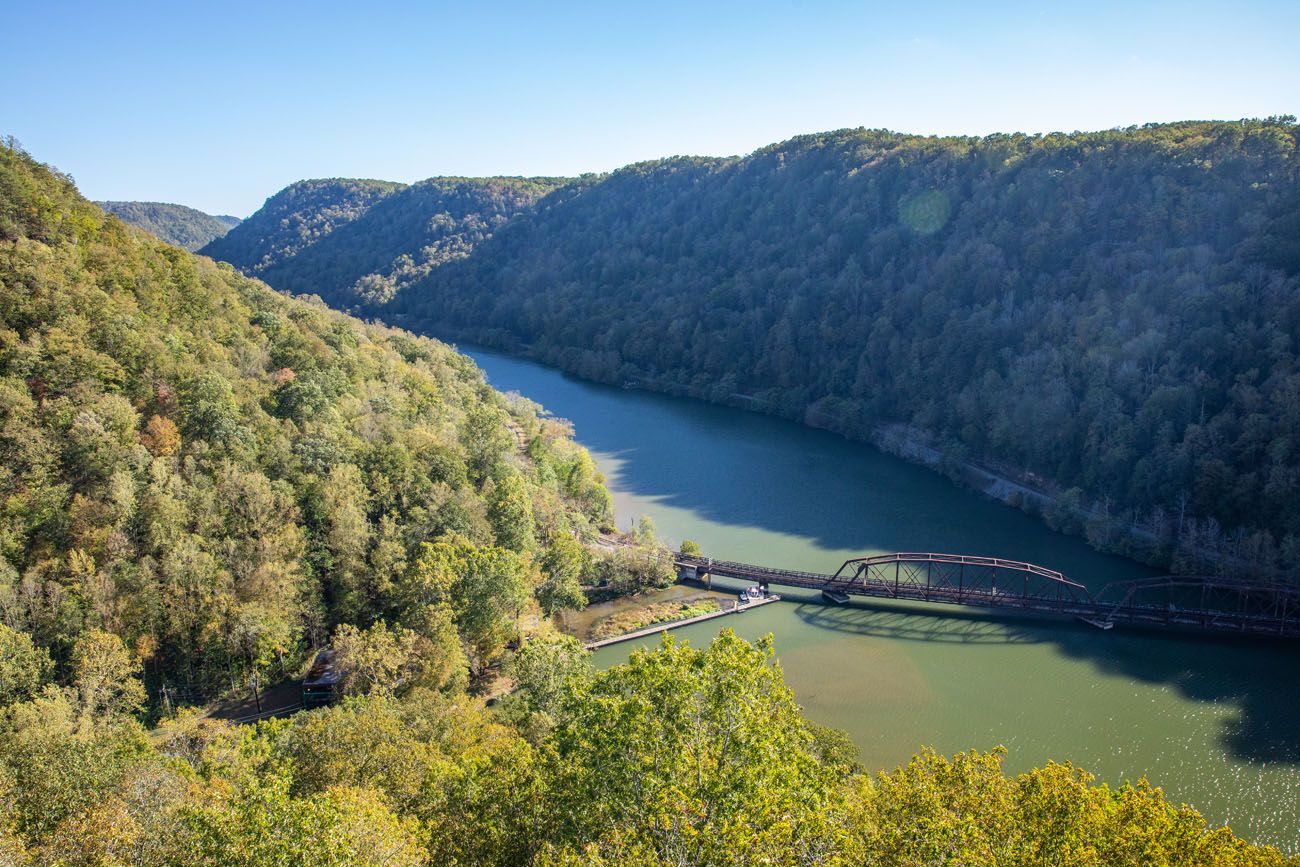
[
  {"x": 646, "y": 532},
  {"x": 699, "y": 755},
  {"x": 209, "y": 409},
  {"x": 487, "y": 599},
  {"x": 57, "y": 764},
  {"x": 511, "y": 512},
  {"x": 344, "y": 502},
  {"x": 486, "y": 440},
  {"x": 433, "y": 572},
  {"x": 106, "y": 675},
  {"x": 377, "y": 660},
  {"x": 24, "y": 667},
  {"x": 386, "y": 561},
  {"x": 262, "y": 823},
  {"x": 544, "y": 670},
  {"x": 324, "y": 749},
  {"x": 438, "y": 653},
  {"x": 161, "y": 437},
  {"x": 963, "y": 809},
  {"x": 563, "y": 565}
]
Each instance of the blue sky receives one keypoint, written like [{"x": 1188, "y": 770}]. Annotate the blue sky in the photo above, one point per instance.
[{"x": 219, "y": 105}]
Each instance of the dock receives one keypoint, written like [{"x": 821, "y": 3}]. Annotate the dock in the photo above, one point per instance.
[{"x": 659, "y": 628}]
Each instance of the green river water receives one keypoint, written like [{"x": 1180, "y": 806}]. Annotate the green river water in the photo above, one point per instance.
[{"x": 1214, "y": 722}]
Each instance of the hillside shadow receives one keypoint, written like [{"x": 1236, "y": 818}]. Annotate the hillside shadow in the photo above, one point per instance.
[{"x": 1261, "y": 678}]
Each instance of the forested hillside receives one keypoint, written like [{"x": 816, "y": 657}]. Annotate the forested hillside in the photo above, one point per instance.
[
  {"x": 207, "y": 469},
  {"x": 175, "y": 224},
  {"x": 201, "y": 479},
  {"x": 362, "y": 241},
  {"x": 1110, "y": 316}
]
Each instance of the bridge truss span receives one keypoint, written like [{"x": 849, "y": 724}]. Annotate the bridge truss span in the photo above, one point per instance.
[
  {"x": 1197, "y": 603},
  {"x": 1204, "y": 602},
  {"x": 963, "y": 580}
]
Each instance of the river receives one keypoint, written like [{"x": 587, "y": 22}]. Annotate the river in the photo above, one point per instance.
[{"x": 1214, "y": 722}]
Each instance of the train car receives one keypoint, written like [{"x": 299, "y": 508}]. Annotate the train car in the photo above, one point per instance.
[{"x": 321, "y": 685}]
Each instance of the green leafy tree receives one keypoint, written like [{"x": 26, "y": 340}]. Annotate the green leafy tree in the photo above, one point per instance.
[
  {"x": 344, "y": 502},
  {"x": 58, "y": 766},
  {"x": 209, "y": 409},
  {"x": 511, "y": 512},
  {"x": 442, "y": 664},
  {"x": 563, "y": 564},
  {"x": 701, "y": 756},
  {"x": 543, "y": 671},
  {"x": 263, "y": 824},
  {"x": 488, "y": 598},
  {"x": 486, "y": 441},
  {"x": 106, "y": 675},
  {"x": 24, "y": 667},
  {"x": 434, "y": 571}
]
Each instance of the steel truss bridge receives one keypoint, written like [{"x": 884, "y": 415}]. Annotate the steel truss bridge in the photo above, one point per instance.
[{"x": 1197, "y": 603}]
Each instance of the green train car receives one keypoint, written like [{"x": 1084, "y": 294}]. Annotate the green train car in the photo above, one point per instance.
[{"x": 321, "y": 685}]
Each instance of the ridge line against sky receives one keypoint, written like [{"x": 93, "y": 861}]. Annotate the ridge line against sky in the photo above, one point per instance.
[{"x": 218, "y": 107}]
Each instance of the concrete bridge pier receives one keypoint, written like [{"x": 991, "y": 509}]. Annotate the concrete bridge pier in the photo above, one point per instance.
[{"x": 699, "y": 574}]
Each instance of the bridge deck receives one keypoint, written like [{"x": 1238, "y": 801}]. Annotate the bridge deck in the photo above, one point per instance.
[{"x": 1009, "y": 585}]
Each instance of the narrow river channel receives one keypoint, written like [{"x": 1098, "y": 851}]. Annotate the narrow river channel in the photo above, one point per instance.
[{"x": 1216, "y": 723}]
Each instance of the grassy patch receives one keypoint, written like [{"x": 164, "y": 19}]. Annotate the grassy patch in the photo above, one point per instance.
[{"x": 657, "y": 612}]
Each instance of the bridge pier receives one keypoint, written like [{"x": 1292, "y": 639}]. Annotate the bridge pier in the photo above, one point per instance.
[{"x": 699, "y": 574}]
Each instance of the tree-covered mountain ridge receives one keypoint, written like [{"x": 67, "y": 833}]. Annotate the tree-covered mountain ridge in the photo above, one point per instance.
[
  {"x": 385, "y": 236},
  {"x": 176, "y": 224},
  {"x": 1112, "y": 316}
]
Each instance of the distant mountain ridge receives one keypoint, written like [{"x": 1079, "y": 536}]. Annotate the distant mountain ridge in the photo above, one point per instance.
[
  {"x": 176, "y": 224},
  {"x": 1115, "y": 314},
  {"x": 362, "y": 241}
]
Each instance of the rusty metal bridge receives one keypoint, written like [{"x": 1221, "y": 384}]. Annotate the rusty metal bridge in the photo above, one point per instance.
[{"x": 1197, "y": 603}]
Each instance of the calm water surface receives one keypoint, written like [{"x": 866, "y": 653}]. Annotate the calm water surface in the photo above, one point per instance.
[{"x": 1215, "y": 723}]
